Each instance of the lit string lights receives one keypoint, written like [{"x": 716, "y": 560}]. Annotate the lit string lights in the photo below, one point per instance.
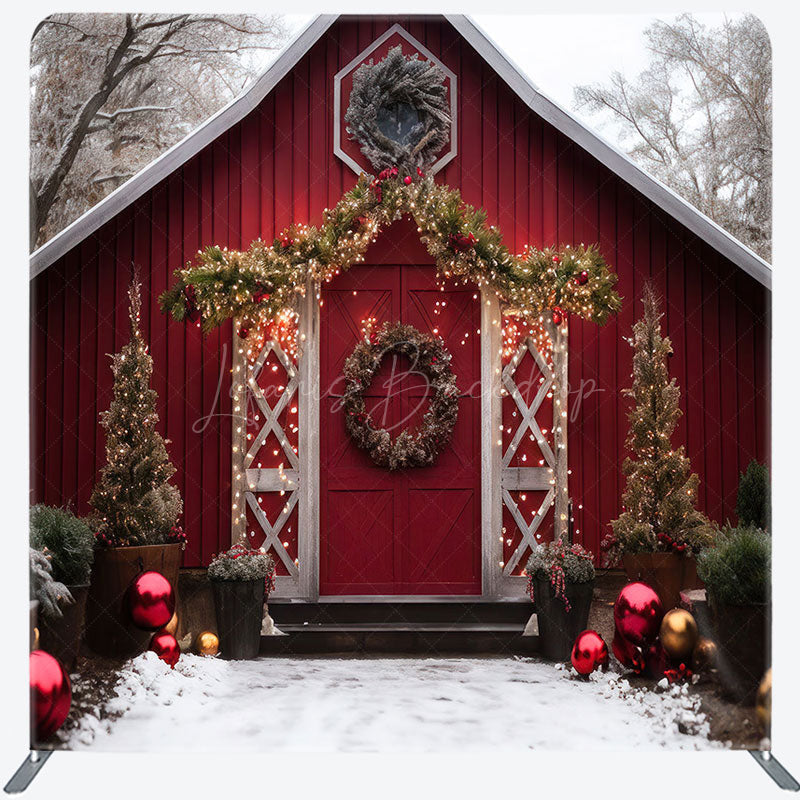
[
  {"x": 260, "y": 288},
  {"x": 262, "y": 284}
]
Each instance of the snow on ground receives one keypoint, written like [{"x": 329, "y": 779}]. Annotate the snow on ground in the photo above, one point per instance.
[{"x": 408, "y": 704}]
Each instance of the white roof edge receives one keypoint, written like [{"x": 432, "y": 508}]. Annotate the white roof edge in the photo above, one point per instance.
[
  {"x": 518, "y": 82},
  {"x": 610, "y": 156},
  {"x": 182, "y": 151}
]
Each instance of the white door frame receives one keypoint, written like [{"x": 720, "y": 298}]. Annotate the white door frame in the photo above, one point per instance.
[{"x": 302, "y": 484}]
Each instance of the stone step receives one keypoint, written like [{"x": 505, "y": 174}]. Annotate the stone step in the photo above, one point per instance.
[
  {"x": 409, "y": 612},
  {"x": 419, "y": 638}
]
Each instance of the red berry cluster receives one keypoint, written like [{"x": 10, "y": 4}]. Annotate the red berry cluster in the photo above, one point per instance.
[
  {"x": 237, "y": 551},
  {"x": 681, "y": 673},
  {"x": 176, "y": 535},
  {"x": 671, "y": 544},
  {"x": 285, "y": 240},
  {"x": 190, "y": 303},
  {"x": 385, "y": 175},
  {"x": 460, "y": 243},
  {"x": 104, "y": 539},
  {"x": 260, "y": 293},
  {"x": 389, "y": 172}
]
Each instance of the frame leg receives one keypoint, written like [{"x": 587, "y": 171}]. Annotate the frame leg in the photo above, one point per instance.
[
  {"x": 775, "y": 770},
  {"x": 27, "y": 771}
]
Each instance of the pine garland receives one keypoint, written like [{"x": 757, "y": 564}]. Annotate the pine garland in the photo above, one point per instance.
[
  {"x": 661, "y": 492},
  {"x": 429, "y": 358},
  {"x": 262, "y": 284}
]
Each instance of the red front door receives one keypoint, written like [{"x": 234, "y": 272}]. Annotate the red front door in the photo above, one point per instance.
[{"x": 414, "y": 531}]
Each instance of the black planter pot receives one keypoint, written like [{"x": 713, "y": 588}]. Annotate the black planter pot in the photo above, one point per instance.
[
  {"x": 558, "y": 628},
  {"x": 743, "y": 646},
  {"x": 239, "y": 606}
]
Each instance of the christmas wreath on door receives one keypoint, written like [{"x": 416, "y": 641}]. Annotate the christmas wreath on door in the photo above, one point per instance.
[{"x": 429, "y": 358}]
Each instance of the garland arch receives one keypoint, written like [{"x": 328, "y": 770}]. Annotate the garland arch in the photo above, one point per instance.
[{"x": 259, "y": 287}]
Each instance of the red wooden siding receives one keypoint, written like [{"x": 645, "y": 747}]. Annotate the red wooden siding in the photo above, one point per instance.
[{"x": 277, "y": 166}]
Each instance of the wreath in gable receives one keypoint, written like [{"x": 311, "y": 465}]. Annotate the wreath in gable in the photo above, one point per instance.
[
  {"x": 428, "y": 357},
  {"x": 398, "y": 111}
]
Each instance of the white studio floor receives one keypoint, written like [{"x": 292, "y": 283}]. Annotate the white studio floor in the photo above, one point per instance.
[{"x": 390, "y": 705}]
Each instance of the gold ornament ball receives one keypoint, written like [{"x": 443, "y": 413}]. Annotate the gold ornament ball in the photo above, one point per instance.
[
  {"x": 678, "y": 634},
  {"x": 172, "y": 625},
  {"x": 207, "y": 644},
  {"x": 764, "y": 700},
  {"x": 705, "y": 655}
]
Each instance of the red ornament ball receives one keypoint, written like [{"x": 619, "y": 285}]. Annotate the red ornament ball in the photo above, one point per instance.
[
  {"x": 589, "y": 653},
  {"x": 243, "y": 332},
  {"x": 407, "y": 180},
  {"x": 51, "y": 694},
  {"x": 583, "y": 278},
  {"x": 629, "y": 655},
  {"x": 166, "y": 647},
  {"x": 150, "y": 601},
  {"x": 638, "y": 613},
  {"x": 558, "y": 316}
]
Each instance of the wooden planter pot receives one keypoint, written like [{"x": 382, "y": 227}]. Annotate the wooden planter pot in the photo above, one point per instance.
[
  {"x": 62, "y": 637},
  {"x": 239, "y": 606},
  {"x": 108, "y": 631},
  {"x": 666, "y": 573},
  {"x": 558, "y": 628},
  {"x": 743, "y": 647}
]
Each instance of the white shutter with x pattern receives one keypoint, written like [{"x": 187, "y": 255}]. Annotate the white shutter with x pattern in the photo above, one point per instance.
[
  {"x": 264, "y": 423},
  {"x": 547, "y": 480}
]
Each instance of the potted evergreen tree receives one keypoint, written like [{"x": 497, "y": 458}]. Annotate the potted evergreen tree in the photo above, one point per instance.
[
  {"x": 659, "y": 531},
  {"x": 136, "y": 508},
  {"x": 561, "y": 584},
  {"x": 69, "y": 544},
  {"x": 240, "y": 579},
  {"x": 736, "y": 572}
]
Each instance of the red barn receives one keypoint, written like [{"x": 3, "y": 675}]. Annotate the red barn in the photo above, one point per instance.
[{"x": 339, "y": 524}]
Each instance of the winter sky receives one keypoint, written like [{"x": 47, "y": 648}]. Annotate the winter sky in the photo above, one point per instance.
[{"x": 561, "y": 51}]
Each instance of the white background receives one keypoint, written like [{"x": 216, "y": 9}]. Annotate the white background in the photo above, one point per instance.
[{"x": 542, "y": 774}]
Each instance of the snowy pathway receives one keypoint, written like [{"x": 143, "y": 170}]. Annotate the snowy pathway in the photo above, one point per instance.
[{"x": 384, "y": 704}]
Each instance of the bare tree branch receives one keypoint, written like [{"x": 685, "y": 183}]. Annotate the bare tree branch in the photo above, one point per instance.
[
  {"x": 700, "y": 118},
  {"x": 105, "y": 85}
]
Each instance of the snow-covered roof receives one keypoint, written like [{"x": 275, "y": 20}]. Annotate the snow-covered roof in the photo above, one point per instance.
[{"x": 617, "y": 161}]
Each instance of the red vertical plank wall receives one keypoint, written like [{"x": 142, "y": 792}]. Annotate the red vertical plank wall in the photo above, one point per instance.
[{"x": 277, "y": 166}]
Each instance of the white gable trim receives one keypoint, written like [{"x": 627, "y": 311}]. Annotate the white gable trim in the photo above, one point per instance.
[
  {"x": 181, "y": 152},
  {"x": 236, "y": 110}
]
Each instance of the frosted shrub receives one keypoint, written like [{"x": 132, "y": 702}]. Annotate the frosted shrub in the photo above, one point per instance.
[
  {"x": 67, "y": 541},
  {"x": 559, "y": 564},
  {"x": 50, "y": 593},
  {"x": 241, "y": 564}
]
